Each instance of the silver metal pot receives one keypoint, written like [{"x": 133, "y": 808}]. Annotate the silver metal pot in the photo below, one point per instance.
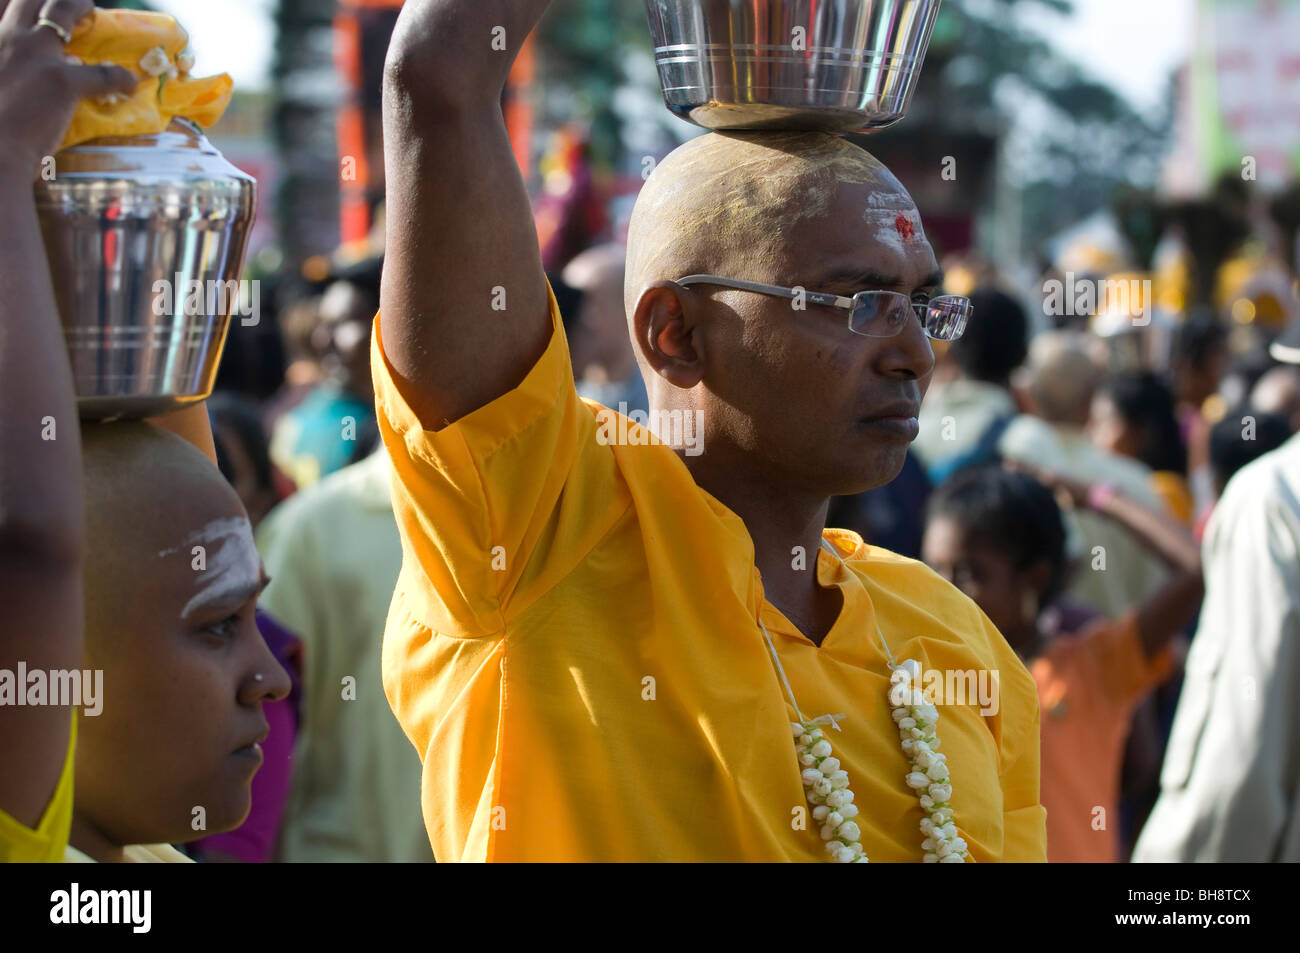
[
  {"x": 145, "y": 237},
  {"x": 832, "y": 65}
]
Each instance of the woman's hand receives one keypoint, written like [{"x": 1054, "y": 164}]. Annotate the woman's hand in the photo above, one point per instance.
[{"x": 40, "y": 86}]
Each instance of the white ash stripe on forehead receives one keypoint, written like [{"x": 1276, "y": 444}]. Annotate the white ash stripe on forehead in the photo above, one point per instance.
[
  {"x": 888, "y": 230},
  {"x": 232, "y": 563},
  {"x": 212, "y": 530}
]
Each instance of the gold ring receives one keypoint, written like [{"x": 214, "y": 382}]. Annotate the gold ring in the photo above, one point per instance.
[{"x": 64, "y": 35}]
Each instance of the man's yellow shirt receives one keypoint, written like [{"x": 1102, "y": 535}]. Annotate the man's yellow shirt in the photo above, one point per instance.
[{"x": 573, "y": 648}]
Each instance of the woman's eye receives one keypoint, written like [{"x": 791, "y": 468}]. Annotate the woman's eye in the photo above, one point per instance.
[{"x": 225, "y": 628}]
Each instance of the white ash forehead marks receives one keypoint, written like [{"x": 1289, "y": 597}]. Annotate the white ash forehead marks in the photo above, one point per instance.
[
  {"x": 772, "y": 180},
  {"x": 893, "y": 219},
  {"x": 730, "y": 201},
  {"x": 762, "y": 182},
  {"x": 230, "y": 563}
]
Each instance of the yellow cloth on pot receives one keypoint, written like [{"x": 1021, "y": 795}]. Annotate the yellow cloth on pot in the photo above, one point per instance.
[{"x": 126, "y": 38}]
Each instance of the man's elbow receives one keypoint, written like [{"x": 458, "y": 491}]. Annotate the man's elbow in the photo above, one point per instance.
[{"x": 439, "y": 71}]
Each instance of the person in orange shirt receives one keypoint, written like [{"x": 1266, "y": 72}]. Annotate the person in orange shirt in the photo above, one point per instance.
[
  {"x": 999, "y": 536},
  {"x": 614, "y": 641}
]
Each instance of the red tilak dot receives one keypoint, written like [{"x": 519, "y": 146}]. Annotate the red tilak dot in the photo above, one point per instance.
[{"x": 905, "y": 227}]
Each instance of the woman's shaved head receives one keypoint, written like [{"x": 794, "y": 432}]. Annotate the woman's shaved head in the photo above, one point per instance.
[{"x": 171, "y": 582}]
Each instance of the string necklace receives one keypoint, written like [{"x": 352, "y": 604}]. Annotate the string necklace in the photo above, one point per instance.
[{"x": 826, "y": 783}]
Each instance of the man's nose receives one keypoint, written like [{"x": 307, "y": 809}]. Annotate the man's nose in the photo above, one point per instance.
[{"x": 907, "y": 354}]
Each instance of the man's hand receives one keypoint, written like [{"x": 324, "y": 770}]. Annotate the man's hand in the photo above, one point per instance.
[
  {"x": 464, "y": 300},
  {"x": 39, "y": 86}
]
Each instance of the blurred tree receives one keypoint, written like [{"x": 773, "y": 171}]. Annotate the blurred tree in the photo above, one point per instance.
[
  {"x": 584, "y": 46},
  {"x": 1082, "y": 140}
]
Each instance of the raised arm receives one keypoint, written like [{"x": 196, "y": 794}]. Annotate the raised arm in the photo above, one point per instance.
[
  {"x": 463, "y": 301},
  {"x": 1163, "y": 615},
  {"x": 41, "y": 520}
]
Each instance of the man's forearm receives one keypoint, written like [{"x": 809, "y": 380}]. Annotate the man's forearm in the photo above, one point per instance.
[
  {"x": 40, "y": 478},
  {"x": 458, "y": 50},
  {"x": 1156, "y": 532},
  {"x": 460, "y": 235}
]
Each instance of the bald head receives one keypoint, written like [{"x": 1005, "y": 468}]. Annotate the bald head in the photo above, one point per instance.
[
  {"x": 1062, "y": 376},
  {"x": 146, "y": 489},
  {"x": 172, "y": 576},
  {"x": 727, "y": 203}
]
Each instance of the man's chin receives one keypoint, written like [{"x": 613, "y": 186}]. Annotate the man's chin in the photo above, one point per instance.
[{"x": 870, "y": 473}]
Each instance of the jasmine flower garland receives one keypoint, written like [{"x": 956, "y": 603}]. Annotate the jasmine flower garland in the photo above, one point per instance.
[{"x": 826, "y": 784}]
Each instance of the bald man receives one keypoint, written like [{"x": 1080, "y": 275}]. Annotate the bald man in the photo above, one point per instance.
[
  {"x": 171, "y": 580},
  {"x": 605, "y": 646}
]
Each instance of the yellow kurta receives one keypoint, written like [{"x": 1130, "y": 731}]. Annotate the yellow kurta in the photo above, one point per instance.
[
  {"x": 573, "y": 648},
  {"x": 135, "y": 854}
]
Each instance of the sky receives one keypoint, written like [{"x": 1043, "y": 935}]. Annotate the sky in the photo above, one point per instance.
[{"x": 1131, "y": 44}]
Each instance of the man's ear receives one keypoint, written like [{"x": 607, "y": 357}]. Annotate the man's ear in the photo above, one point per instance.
[{"x": 666, "y": 335}]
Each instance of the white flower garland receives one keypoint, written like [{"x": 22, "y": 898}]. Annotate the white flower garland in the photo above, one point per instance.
[
  {"x": 917, "y": 720},
  {"x": 827, "y": 790},
  {"x": 826, "y": 784}
]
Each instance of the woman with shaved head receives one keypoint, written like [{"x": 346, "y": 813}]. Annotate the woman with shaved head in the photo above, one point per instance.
[
  {"x": 147, "y": 579},
  {"x": 611, "y": 646}
]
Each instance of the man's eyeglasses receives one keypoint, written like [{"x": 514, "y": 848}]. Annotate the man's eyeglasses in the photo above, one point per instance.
[{"x": 873, "y": 314}]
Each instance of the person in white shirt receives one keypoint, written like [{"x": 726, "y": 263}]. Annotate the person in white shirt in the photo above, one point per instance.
[{"x": 1232, "y": 769}]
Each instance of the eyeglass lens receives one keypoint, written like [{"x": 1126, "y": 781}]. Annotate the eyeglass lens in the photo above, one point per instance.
[{"x": 884, "y": 314}]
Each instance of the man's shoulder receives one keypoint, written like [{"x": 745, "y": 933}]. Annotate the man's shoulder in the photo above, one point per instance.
[
  {"x": 915, "y": 583},
  {"x": 1276, "y": 473}
]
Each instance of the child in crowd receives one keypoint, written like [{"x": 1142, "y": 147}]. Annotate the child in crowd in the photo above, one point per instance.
[
  {"x": 170, "y": 620},
  {"x": 999, "y": 537}
]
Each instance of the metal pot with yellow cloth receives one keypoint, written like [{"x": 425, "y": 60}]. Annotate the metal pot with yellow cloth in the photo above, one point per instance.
[{"x": 145, "y": 224}]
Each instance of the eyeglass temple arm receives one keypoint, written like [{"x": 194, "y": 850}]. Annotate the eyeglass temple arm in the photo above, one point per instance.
[{"x": 816, "y": 297}]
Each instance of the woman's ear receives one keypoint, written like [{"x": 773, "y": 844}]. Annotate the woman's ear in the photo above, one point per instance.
[{"x": 666, "y": 335}]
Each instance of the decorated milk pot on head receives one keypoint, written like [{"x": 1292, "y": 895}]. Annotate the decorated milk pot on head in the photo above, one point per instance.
[
  {"x": 145, "y": 237},
  {"x": 145, "y": 224}
]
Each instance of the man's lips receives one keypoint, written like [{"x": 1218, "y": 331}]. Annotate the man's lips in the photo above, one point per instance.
[
  {"x": 900, "y": 411},
  {"x": 898, "y": 419}
]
